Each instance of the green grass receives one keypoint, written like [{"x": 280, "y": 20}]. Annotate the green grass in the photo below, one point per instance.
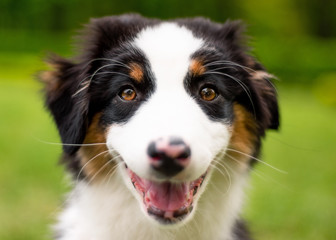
[
  {"x": 297, "y": 205},
  {"x": 31, "y": 183},
  {"x": 301, "y": 203}
]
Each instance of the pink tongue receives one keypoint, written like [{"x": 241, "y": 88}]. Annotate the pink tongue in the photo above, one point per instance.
[{"x": 168, "y": 196}]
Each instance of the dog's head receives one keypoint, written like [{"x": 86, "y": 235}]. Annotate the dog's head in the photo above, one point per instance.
[{"x": 166, "y": 101}]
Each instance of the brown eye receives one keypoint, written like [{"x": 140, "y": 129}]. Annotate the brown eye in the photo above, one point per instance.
[
  {"x": 208, "y": 94},
  {"x": 128, "y": 94}
]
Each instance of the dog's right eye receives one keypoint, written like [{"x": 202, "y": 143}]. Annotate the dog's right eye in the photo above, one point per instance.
[{"x": 127, "y": 94}]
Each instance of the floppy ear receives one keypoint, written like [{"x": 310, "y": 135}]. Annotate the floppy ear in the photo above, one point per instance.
[
  {"x": 263, "y": 93},
  {"x": 69, "y": 106},
  {"x": 265, "y": 100},
  {"x": 68, "y": 109}
]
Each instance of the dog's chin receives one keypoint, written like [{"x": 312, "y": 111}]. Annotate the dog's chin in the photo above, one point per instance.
[{"x": 167, "y": 203}]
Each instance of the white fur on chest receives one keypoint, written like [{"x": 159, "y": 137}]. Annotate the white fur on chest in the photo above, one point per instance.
[{"x": 109, "y": 211}]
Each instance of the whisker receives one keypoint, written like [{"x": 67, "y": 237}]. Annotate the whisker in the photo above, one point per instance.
[
  {"x": 100, "y": 73},
  {"x": 114, "y": 63},
  {"x": 238, "y": 162},
  {"x": 253, "y": 170},
  {"x": 112, "y": 171},
  {"x": 245, "y": 68},
  {"x": 102, "y": 67},
  {"x": 260, "y": 175},
  {"x": 73, "y": 193},
  {"x": 221, "y": 172},
  {"x": 111, "y": 72},
  {"x": 69, "y": 144},
  {"x": 225, "y": 165},
  {"x": 101, "y": 168},
  {"x": 226, "y": 174},
  {"x": 221, "y": 62},
  {"x": 107, "y": 59},
  {"x": 81, "y": 89},
  {"x": 218, "y": 189},
  {"x": 88, "y": 162},
  {"x": 221, "y": 68},
  {"x": 257, "y": 159},
  {"x": 87, "y": 83}
]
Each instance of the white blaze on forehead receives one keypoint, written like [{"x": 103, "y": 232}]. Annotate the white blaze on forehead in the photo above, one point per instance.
[{"x": 168, "y": 47}]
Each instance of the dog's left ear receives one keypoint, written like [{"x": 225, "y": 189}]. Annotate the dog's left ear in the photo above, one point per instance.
[
  {"x": 264, "y": 96},
  {"x": 68, "y": 107},
  {"x": 262, "y": 90}
]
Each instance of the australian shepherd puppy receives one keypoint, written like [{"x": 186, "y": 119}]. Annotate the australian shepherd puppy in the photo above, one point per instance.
[{"x": 160, "y": 121}]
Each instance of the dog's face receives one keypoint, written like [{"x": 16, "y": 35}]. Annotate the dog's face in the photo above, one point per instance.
[
  {"x": 176, "y": 120},
  {"x": 167, "y": 100}
]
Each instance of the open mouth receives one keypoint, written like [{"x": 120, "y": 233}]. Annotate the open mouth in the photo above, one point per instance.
[{"x": 167, "y": 202}]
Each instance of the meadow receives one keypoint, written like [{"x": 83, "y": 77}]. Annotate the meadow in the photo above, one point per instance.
[{"x": 298, "y": 204}]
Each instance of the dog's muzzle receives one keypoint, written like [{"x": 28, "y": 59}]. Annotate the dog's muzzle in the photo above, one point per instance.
[{"x": 166, "y": 200}]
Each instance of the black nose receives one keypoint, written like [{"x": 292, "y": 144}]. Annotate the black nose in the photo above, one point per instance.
[{"x": 169, "y": 156}]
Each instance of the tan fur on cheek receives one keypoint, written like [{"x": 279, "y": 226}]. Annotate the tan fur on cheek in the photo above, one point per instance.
[
  {"x": 95, "y": 158},
  {"x": 244, "y": 136}
]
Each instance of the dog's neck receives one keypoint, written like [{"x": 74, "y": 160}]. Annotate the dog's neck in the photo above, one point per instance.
[{"x": 107, "y": 210}]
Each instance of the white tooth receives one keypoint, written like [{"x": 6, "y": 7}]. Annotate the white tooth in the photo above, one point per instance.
[{"x": 169, "y": 214}]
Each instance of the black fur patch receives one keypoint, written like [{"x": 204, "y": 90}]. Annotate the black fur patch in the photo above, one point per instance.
[
  {"x": 241, "y": 231},
  {"x": 73, "y": 109},
  {"x": 109, "y": 82},
  {"x": 70, "y": 112},
  {"x": 229, "y": 41}
]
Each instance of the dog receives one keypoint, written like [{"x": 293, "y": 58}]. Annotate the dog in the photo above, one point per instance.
[{"x": 160, "y": 122}]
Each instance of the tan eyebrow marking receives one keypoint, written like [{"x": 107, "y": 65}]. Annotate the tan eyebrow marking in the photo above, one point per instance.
[
  {"x": 196, "y": 67},
  {"x": 136, "y": 72}
]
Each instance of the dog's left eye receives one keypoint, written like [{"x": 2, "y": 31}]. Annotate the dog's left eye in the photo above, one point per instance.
[
  {"x": 208, "y": 93},
  {"x": 128, "y": 94}
]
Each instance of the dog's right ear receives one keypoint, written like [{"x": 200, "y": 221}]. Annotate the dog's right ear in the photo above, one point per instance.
[
  {"x": 66, "y": 85},
  {"x": 68, "y": 107}
]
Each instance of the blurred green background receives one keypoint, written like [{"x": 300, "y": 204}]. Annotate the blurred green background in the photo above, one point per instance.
[{"x": 294, "y": 39}]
